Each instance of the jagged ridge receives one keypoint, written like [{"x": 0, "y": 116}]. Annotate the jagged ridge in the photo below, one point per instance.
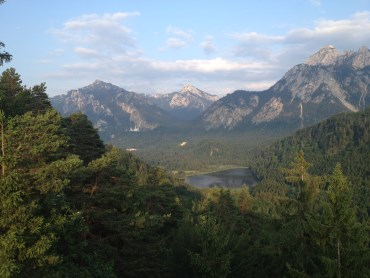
[
  {"x": 329, "y": 82},
  {"x": 187, "y": 104},
  {"x": 113, "y": 109}
]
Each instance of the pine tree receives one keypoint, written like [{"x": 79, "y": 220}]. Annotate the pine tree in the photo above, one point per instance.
[
  {"x": 244, "y": 200},
  {"x": 4, "y": 56},
  {"x": 10, "y": 87},
  {"x": 33, "y": 208},
  {"x": 212, "y": 257},
  {"x": 16, "y": 99},
  {"x": 338, "y": 240},
  {"x": 345, "y": 245},
  {"x": 84, "y": 139},
  {"x": 297, "y": 173},
  {"x": 33, "y": 100}
]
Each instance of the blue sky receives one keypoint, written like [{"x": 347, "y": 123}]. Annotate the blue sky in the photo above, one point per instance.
[{"x": 158, "y": 46}]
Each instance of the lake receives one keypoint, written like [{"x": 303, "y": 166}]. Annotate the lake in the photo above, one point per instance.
[{"x": 232, "y": 178}]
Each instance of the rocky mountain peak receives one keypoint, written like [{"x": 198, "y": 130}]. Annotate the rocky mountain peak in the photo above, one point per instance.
[
  {"x": 98, "y": 84},
  {"x": 327, "y": 55},
  {"x": 113, "y": 110},
  {"x": 329, "y": 82},
  {"x": 361, "y": 58},
  {"x": 198, "y": 93},
  {"x": 186, "y": 104},
  {"x": 190, "y": 88}
]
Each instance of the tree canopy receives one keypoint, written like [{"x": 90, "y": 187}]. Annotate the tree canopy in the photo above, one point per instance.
[
  {"x": 4, "y": 56},
  {"x": 72, "y": 207}
]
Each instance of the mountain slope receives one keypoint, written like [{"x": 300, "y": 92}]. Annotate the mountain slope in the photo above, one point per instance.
[
  {"x": 187, "y": 104},
  {"x": 112, "y": 109},
  {"x": 328, "y": 83},
  {"x": 344, "y": 138}
]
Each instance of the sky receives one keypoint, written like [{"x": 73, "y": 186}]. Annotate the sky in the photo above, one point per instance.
[{"x": 158, "y": 46}]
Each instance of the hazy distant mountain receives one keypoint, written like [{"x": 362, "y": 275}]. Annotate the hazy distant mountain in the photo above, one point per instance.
[
  {"x": 329, "y": 82},
  {"x": 187, "y": 104},
  {"x": 112, "y": 109}
]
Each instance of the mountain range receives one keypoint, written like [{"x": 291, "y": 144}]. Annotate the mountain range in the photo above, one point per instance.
[
  {"x": 112, "y": 109},
  {"x": 327, "y": 83},
  {"x": 188, "y": 104}
]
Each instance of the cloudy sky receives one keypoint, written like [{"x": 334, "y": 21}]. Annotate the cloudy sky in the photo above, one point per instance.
[{"x": 158, "y": 46}]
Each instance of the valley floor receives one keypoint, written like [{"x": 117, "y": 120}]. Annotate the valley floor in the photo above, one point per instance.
[{"x": 195, "y": 153}]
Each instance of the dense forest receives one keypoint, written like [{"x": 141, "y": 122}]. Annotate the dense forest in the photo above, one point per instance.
[
  {"x": 71, "y": 206},
  {"x": 343, "y": 139},
  {"x": 201, "y": 151}
]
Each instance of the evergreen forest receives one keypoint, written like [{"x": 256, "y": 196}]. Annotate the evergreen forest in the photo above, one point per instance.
[{"x": 74, "y": 207}]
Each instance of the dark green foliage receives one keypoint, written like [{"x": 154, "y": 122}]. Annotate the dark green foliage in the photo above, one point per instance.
[
  {"x": 344, "y": 138},
  {"x": 34, "y": 99},
  {"x": 318, "y": 223},
  {"x": 202, "y": 151},
  {"x": 130, "y": 220},
  {"x": 341, "y": 239},
  {"x": 10, "y": 87},
  {"x": 4, "y": 56},
  {"x": 84, "y": 139},
  {"x": 112, "y": 215},
  {"x": 16, "y": 99},
  {"x": 33, "y": 207},
  {"x": 212, "y": 257},
  {"x": 270, "y": 187}
]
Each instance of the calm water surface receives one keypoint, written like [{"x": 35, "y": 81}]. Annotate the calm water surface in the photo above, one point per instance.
[{"x": 232, "y": 178}]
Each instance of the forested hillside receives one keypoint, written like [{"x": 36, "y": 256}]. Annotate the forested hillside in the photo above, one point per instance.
[
  {"x": 71, "y": 206},
  {"x": 343, "y": 139}
]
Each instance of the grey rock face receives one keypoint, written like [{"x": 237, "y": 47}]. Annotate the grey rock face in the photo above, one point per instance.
[
  {"x": 327, "y": 55},
  {"x": 329, "y": 82},
  {"x": 187, "y": 104},
  {"x": 230, "y": 113},
  {"x": 112, "y": 109}
]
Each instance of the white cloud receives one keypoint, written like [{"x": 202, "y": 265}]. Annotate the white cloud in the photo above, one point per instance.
[
  {"x": 207, "y": 45},
  {"x": 174, "y": 31},
  {"x": 105, "y": 32},
  {"x": 343, "y": 34},
  {"x": 256, "y": 46},
  {"x": 162, "y": 69},
  {"x": 176, "y": 43},
  {"x": 107, "y": 49},
  {"x": 178, "y": 38},
  {"x": 256, "y": 38},
  {"x": 209, "y": 66},
  {"x": 86, "y": 52}
]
